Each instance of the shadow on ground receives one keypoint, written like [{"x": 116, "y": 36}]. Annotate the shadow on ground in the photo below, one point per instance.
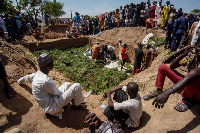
[
  {"x": 143, "y": 121},
  {"x": 18, "y": 104},
  {"x": 192, "y": 124},
  {"x": 71, "y": 118}
]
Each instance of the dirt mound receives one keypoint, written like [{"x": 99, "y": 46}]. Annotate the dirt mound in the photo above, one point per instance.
[
  {"x": 14, "y": 60},
  {"x": 131, "y": 35},
  {"x": 22, "y": 111}
]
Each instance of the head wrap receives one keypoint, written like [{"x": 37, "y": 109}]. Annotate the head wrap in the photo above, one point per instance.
[{"x": 44, "y": 59}]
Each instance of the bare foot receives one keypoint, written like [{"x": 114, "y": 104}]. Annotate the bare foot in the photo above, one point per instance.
[{"x": 81, "y": 106}]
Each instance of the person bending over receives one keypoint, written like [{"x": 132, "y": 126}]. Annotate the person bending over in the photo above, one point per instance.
[
  {"x": 128, "y": 107},
  {"x": 50, "y": 99}
]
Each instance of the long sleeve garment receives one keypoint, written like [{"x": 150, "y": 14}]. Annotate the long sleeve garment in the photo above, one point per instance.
[
  {"x": 49, "y": 98},
  {"x": 164, "y": 16}
]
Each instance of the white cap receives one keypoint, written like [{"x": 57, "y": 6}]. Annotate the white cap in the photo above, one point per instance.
[
  {"x": 97, "y": 42},
  {"x": 120, "y": 40}
]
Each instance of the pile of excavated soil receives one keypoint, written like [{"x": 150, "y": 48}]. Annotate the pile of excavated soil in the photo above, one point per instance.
[
  {"x": 22, "y": 111},
  {"x": 131, "y": 35}
]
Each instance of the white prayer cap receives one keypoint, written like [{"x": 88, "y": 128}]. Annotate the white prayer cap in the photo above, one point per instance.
[
  {"x": 97, "y": 42},
  {"x": 120, "y": 40},
  {"x": 44, "y": 59}
]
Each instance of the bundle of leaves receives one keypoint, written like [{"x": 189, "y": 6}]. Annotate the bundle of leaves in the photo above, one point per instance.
[
  {"x": 158, "y": 41},
  {"x": 89, "y": 73}
]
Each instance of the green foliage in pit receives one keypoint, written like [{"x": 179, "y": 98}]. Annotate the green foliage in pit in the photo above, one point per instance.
[
  {"x": 158, "y": 41},
  {"x": 89, "y": 73}
]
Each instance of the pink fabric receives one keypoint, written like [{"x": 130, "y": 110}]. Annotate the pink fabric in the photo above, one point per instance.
[
  {"x": 153, "y": 11},
  {"x": 190, "y": 91}
]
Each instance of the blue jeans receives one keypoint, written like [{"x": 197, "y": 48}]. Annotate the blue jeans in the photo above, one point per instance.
[
  {"x": 120, "y": 24},
  {"x": 176, "y": 41}
]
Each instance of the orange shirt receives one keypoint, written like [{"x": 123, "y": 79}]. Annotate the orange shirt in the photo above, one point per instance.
[{"x": 123, "y": 50}]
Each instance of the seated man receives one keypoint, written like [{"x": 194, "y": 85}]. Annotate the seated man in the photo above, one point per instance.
[
  {"x": 190, "y": 82},
  {"x": 49, "y": 98},
  {"x": 8, "y": 90},
  {"x": 128, "y": 107},
  {"x": 108, "y": 126}
]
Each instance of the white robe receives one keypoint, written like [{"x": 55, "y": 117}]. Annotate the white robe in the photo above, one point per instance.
[
  {"x": 43, "y": 21},
  {"x": 158, "y": 14},
  {"x": 49, "y": 98},
  {"x": 196, "y": 34}
]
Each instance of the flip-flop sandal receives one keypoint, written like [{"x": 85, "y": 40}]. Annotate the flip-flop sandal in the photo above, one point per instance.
[
  {"x": 151, "y": 95},
  {"x": 181, "y": 106}
]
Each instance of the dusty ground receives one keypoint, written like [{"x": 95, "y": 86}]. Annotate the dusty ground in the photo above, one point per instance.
[{"x": 22, "y": 111}]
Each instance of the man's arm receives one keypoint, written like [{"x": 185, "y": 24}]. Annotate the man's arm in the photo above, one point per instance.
[
  {"x": 50, "y": 87},
  {"x": 175, "y": 63},
  {"x": 25, "y": 79},
  {"x": 110, "y": 102},
  {"x": 112, "y": 91},
  {"x": 163, "y": 97}
]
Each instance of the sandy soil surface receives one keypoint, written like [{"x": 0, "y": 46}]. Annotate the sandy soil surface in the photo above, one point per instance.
[
  {"x": 22, "y": 111},
  {"x": 131, "y": 35}
]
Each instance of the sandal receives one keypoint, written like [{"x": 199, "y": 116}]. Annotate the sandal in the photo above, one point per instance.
[
  {"x": 152, "y": 95},
  {"x": 182, "y": 106}
]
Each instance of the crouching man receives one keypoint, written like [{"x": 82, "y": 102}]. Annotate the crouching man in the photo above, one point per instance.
[
  {"x": 49, "y": 98},
  {"x": 128, "y": 107}
]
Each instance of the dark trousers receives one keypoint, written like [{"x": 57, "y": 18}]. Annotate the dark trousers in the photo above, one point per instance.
[
  {"x": 120, "y": 115},
  {"x": 176, "y": 41},
  {"x": 168, "y": 40},
  {"x": 123, "y": 62},
  {"x": 12, "y": 32}
]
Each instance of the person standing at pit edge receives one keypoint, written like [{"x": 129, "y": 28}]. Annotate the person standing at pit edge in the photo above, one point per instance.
[
  {"x": 123, "y": 55},
  {"x": 120, "y": 47}
]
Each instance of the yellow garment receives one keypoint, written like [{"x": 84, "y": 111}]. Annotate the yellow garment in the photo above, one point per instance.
[
  {"x": 117, "y": 16},
  {"x": 23, "y": 19},
  {"x": 101, "y": 23},
  {"x": 164, "y": 16}
]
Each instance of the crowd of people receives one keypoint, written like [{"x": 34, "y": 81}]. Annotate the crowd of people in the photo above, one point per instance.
[
  {"x": 16, "y": 25},
  {"x": 126, "y": 109},
  {"x": 145, "y": 14}
]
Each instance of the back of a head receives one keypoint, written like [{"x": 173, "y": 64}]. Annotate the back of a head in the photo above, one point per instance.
[
  {"x": 133, "y": 88},
  {"x": 125, "y": 45}
]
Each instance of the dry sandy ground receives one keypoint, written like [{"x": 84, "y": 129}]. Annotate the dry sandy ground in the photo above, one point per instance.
[{"x": 22, "y": 111}]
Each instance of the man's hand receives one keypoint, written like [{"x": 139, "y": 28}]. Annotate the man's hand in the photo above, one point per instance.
[
  {"x": 94, "y": 122},
  {"x": 105, "y": 95},
  {"x": 189, "y": 49},
  {"x": 108, "y": 93},
  {"x": 16, "y": 77},
  {"x": 161, "y": 99}
]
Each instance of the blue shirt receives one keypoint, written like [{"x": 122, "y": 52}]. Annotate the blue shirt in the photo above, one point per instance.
[
  {"x": 181, "y": 25},
  {"x": 77, "y": 18}
]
